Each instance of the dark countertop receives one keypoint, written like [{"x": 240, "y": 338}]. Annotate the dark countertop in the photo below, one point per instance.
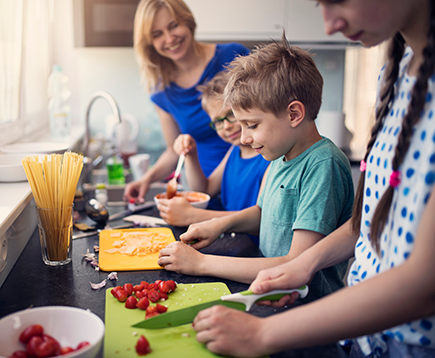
[{"x": 31, "y": 283}]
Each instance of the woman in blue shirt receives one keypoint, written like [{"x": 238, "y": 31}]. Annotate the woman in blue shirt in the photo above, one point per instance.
[{"x": 173, "y": 64}]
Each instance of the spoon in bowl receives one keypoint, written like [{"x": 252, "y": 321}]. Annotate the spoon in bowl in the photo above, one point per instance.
[{"x": 171, "y": 189}]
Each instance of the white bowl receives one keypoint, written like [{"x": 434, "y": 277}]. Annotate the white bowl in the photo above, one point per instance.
[
  {"x": 11, "y": 168},
  {"x": 68, "y": 325},
  {"x": 196, "y": 199},
  {"x": 36, "y": 147}
]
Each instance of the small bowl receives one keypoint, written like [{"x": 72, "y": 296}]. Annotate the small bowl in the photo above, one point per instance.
[
  {"x": 195, "y": 198},
  {"x": 11, "y": 168},
  {"x": 68, "y": 325}
]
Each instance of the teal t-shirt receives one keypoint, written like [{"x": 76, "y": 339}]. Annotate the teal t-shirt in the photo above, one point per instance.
[{"x": 314, "y": 192}]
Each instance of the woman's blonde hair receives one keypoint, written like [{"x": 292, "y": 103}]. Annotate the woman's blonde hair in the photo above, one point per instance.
[{"x": 155, "y": 69}]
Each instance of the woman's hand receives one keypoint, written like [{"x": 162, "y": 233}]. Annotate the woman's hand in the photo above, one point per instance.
[
  {"x": 227, "y": 331},
  {"x": 136, "y": 190},
  {"x": 184, "y": 144},
  {"x": 176, "y": 211},
  {"x": 180, "y": 258},
  {"x": 205, "y": 233}
]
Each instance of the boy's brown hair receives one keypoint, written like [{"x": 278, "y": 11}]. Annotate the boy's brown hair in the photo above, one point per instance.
[
  {"x": 273, "y": 76},
  {"x": 214, "y": 88}
]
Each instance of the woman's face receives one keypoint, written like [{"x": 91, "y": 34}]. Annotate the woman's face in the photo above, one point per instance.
[
  {"x": 369, "y": 21},
  {"x": 170, "y": 38}
]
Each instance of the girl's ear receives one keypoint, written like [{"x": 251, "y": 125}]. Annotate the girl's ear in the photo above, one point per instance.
[{"x": 296, "y": 113}]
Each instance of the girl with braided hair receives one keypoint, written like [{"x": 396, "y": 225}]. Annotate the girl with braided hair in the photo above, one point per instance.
[{"x": 389, "y": 303}]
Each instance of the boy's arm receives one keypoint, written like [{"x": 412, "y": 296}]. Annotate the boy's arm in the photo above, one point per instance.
[{"x": 184, "y": 259}]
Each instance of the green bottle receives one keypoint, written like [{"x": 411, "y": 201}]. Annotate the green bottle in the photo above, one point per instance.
[{"x": 115, "y": 170}]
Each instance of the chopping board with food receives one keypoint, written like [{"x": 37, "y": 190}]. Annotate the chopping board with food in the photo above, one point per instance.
[
  {"x": 132, "y": 249},
  {"x": 121, "y": 338}
]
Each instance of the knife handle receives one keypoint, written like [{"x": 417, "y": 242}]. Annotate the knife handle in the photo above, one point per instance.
[{"x": 249, "y": 298}]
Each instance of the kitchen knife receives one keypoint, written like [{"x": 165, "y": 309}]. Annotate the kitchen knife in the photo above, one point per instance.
[
  {"x": 95, "y": 232},
  {"x": 242, "y": 301},
  {"x": 139, "y": 207}
]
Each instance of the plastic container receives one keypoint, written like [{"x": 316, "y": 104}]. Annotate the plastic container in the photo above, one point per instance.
[
  {"x": 59, "y": 110},
  {"x": 101, "y": 193},
  {"x": 115, "y": 170}
]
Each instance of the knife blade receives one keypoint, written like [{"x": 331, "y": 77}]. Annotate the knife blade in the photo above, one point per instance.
[{"x": 241, "y": 301}]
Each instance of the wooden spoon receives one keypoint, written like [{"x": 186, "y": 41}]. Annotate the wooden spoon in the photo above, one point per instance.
[{"x": 171, "y": 189}]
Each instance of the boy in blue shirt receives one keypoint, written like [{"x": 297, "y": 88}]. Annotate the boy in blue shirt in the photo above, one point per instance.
[
  {"x": 275, "y": 94},
  {"x": 237, "y": 178}
]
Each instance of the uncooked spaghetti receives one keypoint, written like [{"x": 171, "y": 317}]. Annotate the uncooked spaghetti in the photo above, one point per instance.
[{"x": 53, "y": 180}]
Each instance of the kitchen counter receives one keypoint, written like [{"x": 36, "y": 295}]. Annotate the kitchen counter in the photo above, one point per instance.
[{"x": 31, "y": 283}]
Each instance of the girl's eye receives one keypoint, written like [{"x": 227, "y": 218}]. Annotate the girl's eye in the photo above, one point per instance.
[
  {"x": 155, "y": 35},
  {"x": 253, "y": 126},
  {"x": 173, "y": 25}
]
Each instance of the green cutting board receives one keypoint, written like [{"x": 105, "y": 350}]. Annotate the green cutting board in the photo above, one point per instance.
[{"x": 120, "y": 338}]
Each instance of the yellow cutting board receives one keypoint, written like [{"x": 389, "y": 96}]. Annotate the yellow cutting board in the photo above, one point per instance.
[
  {"x": 120, "y": 337},
  {"x": 121, "y": 262}
]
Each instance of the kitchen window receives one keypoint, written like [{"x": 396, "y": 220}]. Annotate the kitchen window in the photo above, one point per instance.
[{"x": 24, "y": 67}]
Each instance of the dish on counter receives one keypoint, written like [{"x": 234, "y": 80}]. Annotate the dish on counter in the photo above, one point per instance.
[
  {"x": 36, "y": 147},
  {"x": 11, "y": 168},
  {"x": 197, "y": 199}
]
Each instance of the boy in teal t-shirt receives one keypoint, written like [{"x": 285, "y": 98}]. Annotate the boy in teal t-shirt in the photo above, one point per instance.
[{"x": 275, "y": 94}]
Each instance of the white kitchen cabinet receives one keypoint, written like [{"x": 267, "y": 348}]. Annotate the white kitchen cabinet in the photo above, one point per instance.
[
  {"x": 236, "y": 20},
  {"x": 305, "y": 23},
  {"x": 259, "y": 20}
]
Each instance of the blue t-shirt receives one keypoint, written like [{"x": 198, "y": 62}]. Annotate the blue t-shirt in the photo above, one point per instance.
[
  {"x": 184, "y": 105},
  {"x": 241, "y": 180}
]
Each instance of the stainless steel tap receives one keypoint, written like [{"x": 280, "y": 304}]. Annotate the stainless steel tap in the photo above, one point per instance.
[{"x": 115, "y": 109}]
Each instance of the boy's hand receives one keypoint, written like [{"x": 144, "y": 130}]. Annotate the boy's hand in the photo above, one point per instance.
[
  {"x": 227, "y": 331},
  {"x": 180, "y": 258},
  {"x": 205, "y": 233},
  {"x": 176, "y": 211},
  {"x": 184, "y": 144},
  {"x": 136, "y": 190}
]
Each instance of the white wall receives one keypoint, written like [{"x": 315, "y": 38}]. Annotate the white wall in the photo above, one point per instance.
[{"x": 110, "y": 69}]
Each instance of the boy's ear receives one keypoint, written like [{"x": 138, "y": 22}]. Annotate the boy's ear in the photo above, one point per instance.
[{"x": 296, "y": 112}]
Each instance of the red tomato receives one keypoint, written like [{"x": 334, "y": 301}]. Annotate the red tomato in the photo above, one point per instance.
[
  {"x": 163, "y": 296},
  {"x": 137, "y": 288},
  {"x": 66, "y": 350},
  {"x": 140, "y": 294},
  {"x": 47, "y": 348},
  {"x": 128, "y": 287},
  {"x": 144, "y": 284},
  {"x": 153, "y": 286},
  {"x": 151, "y": 310},
  {"x": 157, "y": 282},
  {"x": 153, "y": 296},
  {"x": 131, "y": 302},
  {"x": 151, "y": 315},
  {"x": 161, "y": 308},
  {"x": 114, "y": 289},
  {"x": 82, "y": 345},
  {"x": 143, "y": 303},
  {"x": 29, "y": 332},
  {"x": 142, "y": 346},
  {"x": 164, "y": 287},
  {"x": 172, "y": 285},
  {"x": 121, "y": 295},
  {"x": 33, "y": 344},
  {"x": 19, "y": 354}
]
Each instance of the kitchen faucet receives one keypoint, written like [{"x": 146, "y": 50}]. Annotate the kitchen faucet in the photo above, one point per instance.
[{"x": 115, "y": 109}]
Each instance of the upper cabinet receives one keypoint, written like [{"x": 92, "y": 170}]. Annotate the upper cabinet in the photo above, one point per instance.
[
  {"x": 259, "y": 20},
  {"x": 110, "y": 22},
  {"x": 239, "y": 19}
]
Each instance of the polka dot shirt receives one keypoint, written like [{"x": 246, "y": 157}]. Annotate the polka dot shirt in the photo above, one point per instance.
[{"x": 417, "y": 175}]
